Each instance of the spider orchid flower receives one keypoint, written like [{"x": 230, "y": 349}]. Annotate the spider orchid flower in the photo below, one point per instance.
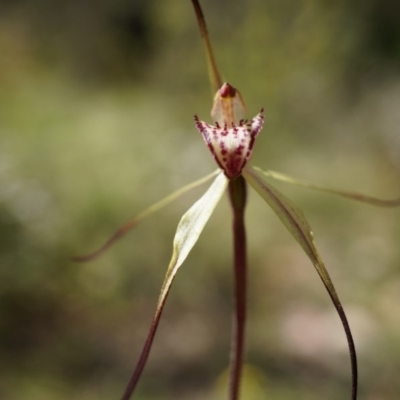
[{"x": 231, "y": 140}]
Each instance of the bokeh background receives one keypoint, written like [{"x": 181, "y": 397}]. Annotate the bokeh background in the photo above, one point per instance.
[{"x": 96, "y": 123}]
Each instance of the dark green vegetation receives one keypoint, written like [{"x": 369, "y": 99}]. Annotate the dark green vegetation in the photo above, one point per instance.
[{"x": 96, "y": 106}]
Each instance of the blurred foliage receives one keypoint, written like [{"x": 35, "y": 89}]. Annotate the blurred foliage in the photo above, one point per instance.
[{"x": 96, "y": 106}]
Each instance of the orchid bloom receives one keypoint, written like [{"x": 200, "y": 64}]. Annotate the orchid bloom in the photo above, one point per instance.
[{"x": 231, "y": 140}]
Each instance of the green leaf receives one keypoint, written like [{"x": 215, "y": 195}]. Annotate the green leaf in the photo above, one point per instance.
[
  {"x": 189, "y": 229},
  {"x": 123, "y": 230},
  {"x": 344, "y": 193},
  {"x": 295, "y": 221}
]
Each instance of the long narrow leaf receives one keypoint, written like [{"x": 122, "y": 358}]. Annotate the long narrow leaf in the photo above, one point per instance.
[
  {"x": 123, "y": 230},
  {"x": 189, "y": 229},
  {"x": 295, "y": 221},
  {"x": 344, "y": 193}
]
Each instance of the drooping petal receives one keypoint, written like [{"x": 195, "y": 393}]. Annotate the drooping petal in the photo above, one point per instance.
[
  {"x": 147, "y": 212},
  {"x": 344, "y": 193},
  {"x": 295, "y": 221},
  {"x": 231, "y": 147},
  {"x": 189, "y": 229}
]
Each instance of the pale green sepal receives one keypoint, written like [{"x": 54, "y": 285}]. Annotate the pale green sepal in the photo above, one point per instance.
[
  {"x": 344, "y": 193},
  {"x": 294, "y": 220},
  {"x": 190, "y": 227},
  {"x": 123, "y": 230},
  {"x": 291, "y": 216}
]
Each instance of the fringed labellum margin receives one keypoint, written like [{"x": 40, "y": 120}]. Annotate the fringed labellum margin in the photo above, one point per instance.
[{"x": 231, "y": 139}]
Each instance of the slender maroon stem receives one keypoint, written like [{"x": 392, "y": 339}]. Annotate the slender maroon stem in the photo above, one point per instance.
[{"x": 237, "y": 193}]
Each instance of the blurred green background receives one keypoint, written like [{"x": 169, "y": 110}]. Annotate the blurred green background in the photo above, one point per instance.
[{"x": 96, "y": 122}]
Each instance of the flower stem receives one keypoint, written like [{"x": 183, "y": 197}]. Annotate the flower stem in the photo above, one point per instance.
[{"x": 238, "y": 194}]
